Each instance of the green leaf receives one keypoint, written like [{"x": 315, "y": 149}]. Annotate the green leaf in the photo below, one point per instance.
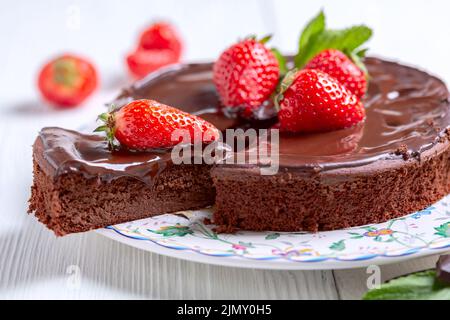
[
  {"x": 284, "y": 84},
  {"x": 265, "y": 39},
  {"x": 346, "y": 40},
  {"x": 357, "y": 59},
  {"x": 173, "y": 231},
  {"x": 246, "y": 244},
  {"x": 378, "y": 239},
  {"x": 361, "y": 53},
  {"x": 315, "y": 38},
  {"x": 443, "y": 230},
  {"x": 312, "y": 29},
  {"x": 107, "y": 126},
  {"x": 416, "y": 286},
  {"x": 272, "y": 236},
  {"x": 281, "y": 61},
  {"x": 338, "y": 246},
  {"x": 101, "y": 128},
  {"x": 103, "y": 117}
]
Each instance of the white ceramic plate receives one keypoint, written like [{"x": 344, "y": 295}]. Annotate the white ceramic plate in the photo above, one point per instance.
[{"x": 185, "y": 236}]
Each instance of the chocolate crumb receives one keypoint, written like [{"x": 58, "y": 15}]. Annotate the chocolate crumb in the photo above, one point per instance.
[
  {"x": 316, "y": 169},
  {"x": 403, "y": 151},
  {"x": 207, "y": 221}
]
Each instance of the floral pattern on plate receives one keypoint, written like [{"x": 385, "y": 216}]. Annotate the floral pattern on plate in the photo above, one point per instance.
[{"x": 428, "y": 229}]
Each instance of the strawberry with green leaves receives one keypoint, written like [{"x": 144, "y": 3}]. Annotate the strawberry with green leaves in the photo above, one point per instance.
[
  {"x": 336, "y": 52},
  {"x": 316, "y": 38},
  {"x": 246, "y": 75},
  {"x": 312, "y": 101},
  {"x": 325, "y": 94},
  {"x": 147, "y": 124}
]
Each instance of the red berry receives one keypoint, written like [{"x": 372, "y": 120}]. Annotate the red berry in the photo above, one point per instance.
[
  {"x": 159, "y": 45},
  {"x": 142, "y": 62},
  {"x": 148, "y": 124},
  {"x": 246, "y": 74},
  {"x": 316, "y": 102},
  {"x": 67, "y": 80},
  {"x": 340, "y": 67},
  {"x": 161, "y": 35}
]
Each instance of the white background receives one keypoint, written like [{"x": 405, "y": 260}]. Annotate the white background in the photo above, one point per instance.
[{"x": 33, "y": 263}]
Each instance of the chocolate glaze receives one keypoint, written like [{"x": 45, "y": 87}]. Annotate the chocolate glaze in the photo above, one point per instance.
[{"x": 407, "y": 114}]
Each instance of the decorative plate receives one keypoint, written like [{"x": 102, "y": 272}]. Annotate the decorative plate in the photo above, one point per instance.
[{"x": 184, "y": 235}]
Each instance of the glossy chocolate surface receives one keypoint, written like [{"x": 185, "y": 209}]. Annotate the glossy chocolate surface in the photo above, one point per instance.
[{"x": 407, "y": 111}]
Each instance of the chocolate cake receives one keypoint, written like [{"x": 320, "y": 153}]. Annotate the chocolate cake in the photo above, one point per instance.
[{"x": 395, "y": 163}]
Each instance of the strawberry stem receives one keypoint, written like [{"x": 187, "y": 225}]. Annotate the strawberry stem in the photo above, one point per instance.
[
  {"x": 107, "y": 126},
  {"x": 65, "y": 72},
  {"x": 285, "y": 83},
  {"x": 265, "y": 39}
]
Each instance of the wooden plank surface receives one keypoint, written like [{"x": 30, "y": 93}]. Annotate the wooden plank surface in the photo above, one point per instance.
[{"x": 33, "y": 262}]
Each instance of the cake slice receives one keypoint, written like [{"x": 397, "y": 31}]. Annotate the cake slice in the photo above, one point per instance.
[{"x": 80, "y": 185}]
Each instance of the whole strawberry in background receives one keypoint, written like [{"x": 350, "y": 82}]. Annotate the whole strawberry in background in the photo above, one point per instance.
[
  {"x": 339, "y": 66},
  {"x": 67, "y": 80},
  {"x": 246, "y": 74},
  {"x": 161, "y": 35},
  {"x": 147, "y": 124},
  {"x": 312, "y": 101},
  {"x": 159, "y": 45}
]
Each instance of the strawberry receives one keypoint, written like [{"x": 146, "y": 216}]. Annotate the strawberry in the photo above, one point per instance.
[
  {"x": 67, "y": 80},
  {"x": 148, "y": 124},
  {"x": 159, "y": 45},
  {"x": 340, "y": 67},
  {"x": 313, "y": 101},
  {"x": 142, "y": 62},
  {"x": 161, "y": 35},
  {"x": 246, "y": 74}
]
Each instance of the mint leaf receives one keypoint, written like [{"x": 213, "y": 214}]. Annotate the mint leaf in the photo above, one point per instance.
[
  {"x": 281, "y": 61},
  {"x": 315, "y": 38},
  {"x": 265, "y": 39},
  {"x": 416, "y": 286},
  {"x": 313, "y": 28},
  {"x": 357, "y": 59}
]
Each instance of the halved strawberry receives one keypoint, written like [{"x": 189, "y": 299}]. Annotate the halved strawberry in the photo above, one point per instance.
[
  {"x": 159, "y": 45},
  {"x": 142, "y": 62}
]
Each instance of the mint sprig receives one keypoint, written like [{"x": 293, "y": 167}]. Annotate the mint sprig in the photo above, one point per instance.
[
  {"x": 417, "y": 286},
  {"x": 316, "y": 37},
  {"x": 281, "y": 61}
]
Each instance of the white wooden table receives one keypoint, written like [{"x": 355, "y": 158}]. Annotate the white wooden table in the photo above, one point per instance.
[{"x": 36, "y": 264}]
